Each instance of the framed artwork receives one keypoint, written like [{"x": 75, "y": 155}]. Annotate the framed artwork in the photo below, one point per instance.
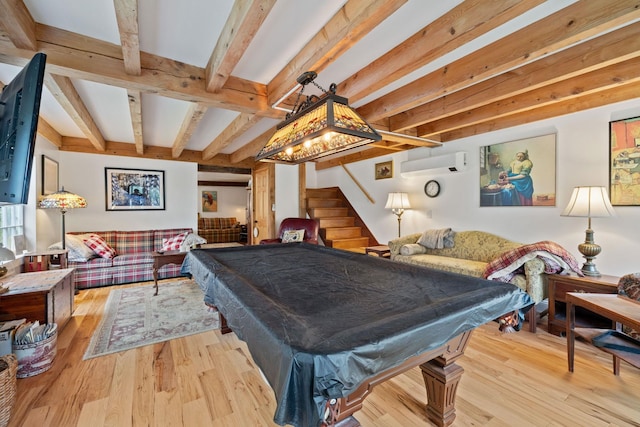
[
  {"x": 384, "y": 170},
  {"x": 134, "y": 189},
  {"x": 624, "y": 162},
  {"x": 49, "y": 176},
  {"x": 209, "y": 201},
  {"x": 519, "y": 173}
]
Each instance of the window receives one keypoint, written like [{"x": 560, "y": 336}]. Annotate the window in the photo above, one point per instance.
[{"x": 11, "y": 224}]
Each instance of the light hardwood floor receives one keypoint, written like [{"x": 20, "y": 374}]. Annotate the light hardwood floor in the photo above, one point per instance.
[{"x": 209, "y": 379}]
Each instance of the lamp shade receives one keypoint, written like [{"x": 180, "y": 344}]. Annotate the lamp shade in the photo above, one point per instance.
[
  {"x": 62, "y": 200},
  {"x": 327, "y": 127},
  {"x": 6, "y": 254},
  {"x": 317, "y": 127},
  {"x": 591, "y": 202},
  {"x": 398, "y": 201}
]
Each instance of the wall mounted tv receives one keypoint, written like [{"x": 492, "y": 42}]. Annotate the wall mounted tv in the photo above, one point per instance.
[{"x": 19, "y": 111}]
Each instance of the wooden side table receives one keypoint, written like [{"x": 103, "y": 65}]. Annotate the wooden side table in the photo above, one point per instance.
[
  {"x": 381, "y": 251},
  {"x": 619, "y": 310},
  {"x": 40, "y": 261},
  {"x": 560, "y": 284},
  {"x": 163, "y": 258}
]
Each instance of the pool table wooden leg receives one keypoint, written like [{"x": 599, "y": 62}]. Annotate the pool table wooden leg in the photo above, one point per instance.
[{"x": 441, "y": 377}]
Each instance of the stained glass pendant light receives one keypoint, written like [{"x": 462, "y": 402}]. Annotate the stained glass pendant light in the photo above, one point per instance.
[{"x": 317, "y": 127}]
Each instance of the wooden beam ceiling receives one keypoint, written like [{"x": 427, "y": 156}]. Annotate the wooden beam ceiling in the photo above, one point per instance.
[{"x": 582, "y": 56}]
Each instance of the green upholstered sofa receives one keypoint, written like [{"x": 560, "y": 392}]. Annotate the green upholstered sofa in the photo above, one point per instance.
[{"x": 472, "y": 251}]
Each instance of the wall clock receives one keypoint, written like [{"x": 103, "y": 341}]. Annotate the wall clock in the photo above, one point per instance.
[{"x": 432, "y": 188}]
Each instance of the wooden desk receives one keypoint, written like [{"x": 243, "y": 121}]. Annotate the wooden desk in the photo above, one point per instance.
[
  {"x": 45, "y": 296},
  {"x": 620, "y": 309},
  {"x": 164, "y": 258},
  {"x": 560, "y": 284}
]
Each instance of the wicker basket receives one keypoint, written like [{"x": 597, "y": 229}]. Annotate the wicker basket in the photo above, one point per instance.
[{"x": 8, "y": 369}]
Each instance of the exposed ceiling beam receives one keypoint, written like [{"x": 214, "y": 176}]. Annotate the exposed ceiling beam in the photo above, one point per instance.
[
  {"x": 469, "y": 20},
  {"x": 242, "y": 25},
  {"x": 581, "y": 103},
  {"x": 572, "y": 24},
  {"x": 62, "y": 89},
  {"x": 352, "y": 22},
  {"x": 603, "y": 79},
  {"x": 135, "y": 110},
  {"x": 75, "y": 56},
  {"x": 49, "y": 133},
  {"x": 127, "y": 17},
  {"x": 20, "y": 26},
  {"x": 189, "y": 124},
  {"x": 82, "y": 145},
  {"x": 253, "y": 147},
  {"x": 600, "y": 52},
  {"x": 237, "y": 127},
  {"x": 221, "y": 169},
  {"x": 222, "y": 183}
]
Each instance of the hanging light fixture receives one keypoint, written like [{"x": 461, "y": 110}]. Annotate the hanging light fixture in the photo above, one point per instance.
[{"x": 317, "y": 127}]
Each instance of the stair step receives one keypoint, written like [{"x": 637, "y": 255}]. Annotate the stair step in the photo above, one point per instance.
[
  {"x": 328, "y": 212},
  {"x": 314, "y": 202},
  {"x": 323, "y": 193},
  {"x": 334, "y": 233},
  {"x": 347, "y": 221},
  {"x": 348, "y": 243}
]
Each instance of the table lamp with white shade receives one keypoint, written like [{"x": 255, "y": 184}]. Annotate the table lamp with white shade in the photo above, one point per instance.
[{"x": 589, "y": 202}]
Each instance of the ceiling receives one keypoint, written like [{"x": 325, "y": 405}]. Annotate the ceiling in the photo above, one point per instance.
[{"x": 207, "y": 81}]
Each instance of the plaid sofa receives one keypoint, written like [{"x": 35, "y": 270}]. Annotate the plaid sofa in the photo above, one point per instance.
[
  {"x": 133, "y": 261},
  {"x": 219, "y": 230}
]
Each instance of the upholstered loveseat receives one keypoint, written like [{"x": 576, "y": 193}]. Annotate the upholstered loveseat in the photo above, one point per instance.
[
  {"x": 132, "y": 261},
  {"x": 471, "y": 253},
  {"x": 219, "y": 230}
]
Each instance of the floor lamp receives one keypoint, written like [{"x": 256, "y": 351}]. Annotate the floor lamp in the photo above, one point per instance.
[
  {"x": 63, "y": 201},
  {"x": 398, "y": 202}
]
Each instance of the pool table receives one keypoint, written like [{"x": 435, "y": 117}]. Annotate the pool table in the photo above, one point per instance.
[{"x": 326, "y": 325}]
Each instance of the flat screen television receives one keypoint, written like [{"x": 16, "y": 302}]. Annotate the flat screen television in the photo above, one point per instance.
[{"x": 19, "y": 111}]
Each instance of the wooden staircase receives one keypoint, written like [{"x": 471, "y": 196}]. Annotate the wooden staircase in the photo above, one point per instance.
[{"x": 340, "y": 225}]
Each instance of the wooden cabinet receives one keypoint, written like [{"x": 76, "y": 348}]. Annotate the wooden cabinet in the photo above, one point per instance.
[
  {"x": 45, "y": 296},
  {"x": 559, "y": 285}
]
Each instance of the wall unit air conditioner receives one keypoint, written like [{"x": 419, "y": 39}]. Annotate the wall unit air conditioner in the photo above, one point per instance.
[{"x": 447, "y": 163}]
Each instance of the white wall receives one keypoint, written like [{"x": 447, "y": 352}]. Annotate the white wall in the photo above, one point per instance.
[
  {"x": 232, "y": 202},
  {"x": 582, "y": 153},
  {"x": 286, "y": 192},
  {"x": 84, "y": 174}
]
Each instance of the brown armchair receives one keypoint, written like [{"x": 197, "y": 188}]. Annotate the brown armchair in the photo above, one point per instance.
[{"x": 310, "y": 227}]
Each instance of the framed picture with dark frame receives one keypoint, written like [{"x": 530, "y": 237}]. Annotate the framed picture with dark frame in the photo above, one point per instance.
[
  {"x": 384, "y": 170},
  {"x": 519, "y": 173},
  {"x": 624, "y": 162},
  {"x": 134, "y": 189},
  {"x": 50, "y": 176}
]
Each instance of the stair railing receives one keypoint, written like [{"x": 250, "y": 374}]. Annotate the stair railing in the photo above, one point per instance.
[{"x": 358, "y": 184}]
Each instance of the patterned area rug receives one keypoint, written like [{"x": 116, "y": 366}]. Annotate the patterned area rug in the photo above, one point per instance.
[{"x": 133, "y": 317}]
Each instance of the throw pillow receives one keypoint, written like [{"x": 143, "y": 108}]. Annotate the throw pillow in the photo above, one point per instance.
[
  {"x": 190, "y": 241},
  {"x": 98, "y": 245},
  {"x": 77, "y": 250},
  {"x": 291, "y": 236},
  {"x": 173, "y": 243},
  {"x": 412, "y": 249}
]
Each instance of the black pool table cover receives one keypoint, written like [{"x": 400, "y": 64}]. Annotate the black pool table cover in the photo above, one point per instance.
[{"x": 320, "y": 321}]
